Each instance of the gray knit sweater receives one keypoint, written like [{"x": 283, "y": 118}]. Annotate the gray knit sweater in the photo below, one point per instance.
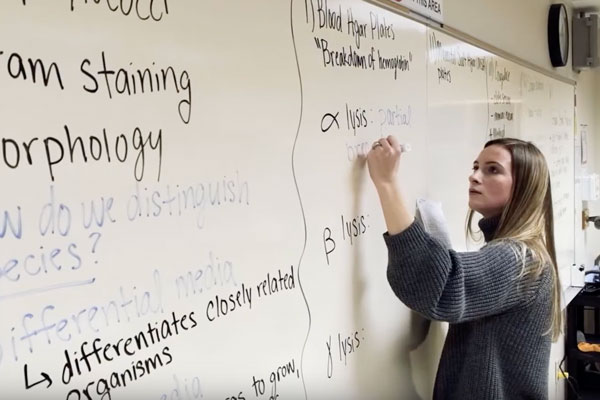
[{"x": 495, "y": 347}]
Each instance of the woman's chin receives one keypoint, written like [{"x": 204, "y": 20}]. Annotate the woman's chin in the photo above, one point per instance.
[
  {"x": 473, "y": 206},
  {"x": 478, "y": 209}
]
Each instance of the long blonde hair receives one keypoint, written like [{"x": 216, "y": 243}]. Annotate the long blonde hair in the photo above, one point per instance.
[{"x": 527, "y": 219}]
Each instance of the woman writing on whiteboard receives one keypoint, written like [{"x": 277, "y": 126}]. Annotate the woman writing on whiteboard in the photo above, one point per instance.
[{"x": 502, "y": 301}]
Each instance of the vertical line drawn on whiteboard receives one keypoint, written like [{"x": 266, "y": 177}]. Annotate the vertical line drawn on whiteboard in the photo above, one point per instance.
[
  {"x": 299, "y": 196},
  {"x": 488, "y": 135}
]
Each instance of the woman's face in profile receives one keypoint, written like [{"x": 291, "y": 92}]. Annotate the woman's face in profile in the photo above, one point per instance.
[{"x": 490, "y": 184}]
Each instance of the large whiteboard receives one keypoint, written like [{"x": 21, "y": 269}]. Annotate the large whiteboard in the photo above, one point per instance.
[{"x": 185, "y": 188}]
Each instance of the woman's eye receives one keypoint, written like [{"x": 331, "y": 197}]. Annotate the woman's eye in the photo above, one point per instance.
[{"x": 493, "y": 170}]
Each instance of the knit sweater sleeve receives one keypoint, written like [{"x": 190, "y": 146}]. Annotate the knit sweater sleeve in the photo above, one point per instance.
[{"x": 454, "y": 286}]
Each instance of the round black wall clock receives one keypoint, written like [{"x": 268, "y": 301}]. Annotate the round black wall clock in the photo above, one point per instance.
[{"x": 558, "y": 35}]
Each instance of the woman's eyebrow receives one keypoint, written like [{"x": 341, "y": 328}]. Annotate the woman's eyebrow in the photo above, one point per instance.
[{"x": 493, "y": 163}]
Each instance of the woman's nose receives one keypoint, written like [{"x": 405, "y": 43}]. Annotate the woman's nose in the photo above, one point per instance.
[{"x": 475, "y": 177}]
